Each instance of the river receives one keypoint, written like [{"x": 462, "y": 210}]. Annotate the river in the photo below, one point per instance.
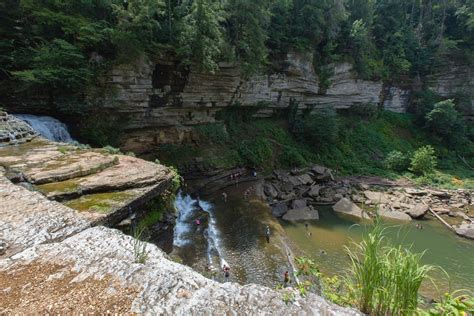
[{"x": 235, "y": 234}]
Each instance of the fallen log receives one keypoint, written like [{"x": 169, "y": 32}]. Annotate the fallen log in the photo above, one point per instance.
[{"x": 438, "y": 217}]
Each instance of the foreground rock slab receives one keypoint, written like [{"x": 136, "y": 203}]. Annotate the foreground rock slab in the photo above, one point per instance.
[{"x": 158, "y": 286}]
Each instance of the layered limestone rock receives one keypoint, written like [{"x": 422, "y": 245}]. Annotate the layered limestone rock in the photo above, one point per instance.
[
  {"x": 106, "y": 186},
  {"x": 53, "y": 261},
  {"x": 14, "y": 131},
  {"x": 454, "y": 80},
  {"x": 163, "y": 102}
]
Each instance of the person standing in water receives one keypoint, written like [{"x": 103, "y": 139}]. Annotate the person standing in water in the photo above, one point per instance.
[
  {"x": 286, "y": 278},
  {"x": 226, "y": 270},
  {"x": 267, "y": 233}
]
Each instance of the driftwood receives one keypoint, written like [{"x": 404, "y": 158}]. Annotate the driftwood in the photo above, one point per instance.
[{"x": 438, "y": 217}]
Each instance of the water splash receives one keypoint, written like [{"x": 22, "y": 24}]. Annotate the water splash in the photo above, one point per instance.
[
  {"x": 48, "y": 127},
  {"x": 183, "y": 232}
]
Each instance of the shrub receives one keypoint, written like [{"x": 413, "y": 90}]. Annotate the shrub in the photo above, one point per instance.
[
  {"x": 366, "y": 110},
  {"x": 111, "y": 150},
  {"x": 319, "y": 129},
  {"x": 290, "y": 157},
  {"x": 256, "y": 153},
  {"x": 213, "y": 133},
  {"x": 396, "y": 160},
  {"x": 423, "y": 161},
  {"x": 444, "y": 121}
]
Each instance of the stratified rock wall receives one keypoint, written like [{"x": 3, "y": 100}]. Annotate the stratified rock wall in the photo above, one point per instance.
[{"x": 163, "y": 102}]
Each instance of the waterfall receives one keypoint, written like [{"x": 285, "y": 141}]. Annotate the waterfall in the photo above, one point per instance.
[
  {"x": 184, "y": 227},
  {"x": 47, "y": 127}
]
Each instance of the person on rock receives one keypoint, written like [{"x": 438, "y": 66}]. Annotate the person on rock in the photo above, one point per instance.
[
  {"x": 286, "y": 278},
  {"x": 267, "y": 233},
  {"x": 224, "y": 196},
  {"x": 197, "y": 222}
]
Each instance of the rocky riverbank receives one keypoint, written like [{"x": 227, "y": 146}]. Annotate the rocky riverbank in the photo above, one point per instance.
[
  {"x": 55, "y": 262},
  {"x": 293, "y": 195},
  {"x": 53, "y": 259},
  {"x": 101, "y": 184}
]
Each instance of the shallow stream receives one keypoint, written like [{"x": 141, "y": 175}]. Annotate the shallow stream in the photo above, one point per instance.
[{"x": 232, "y": 232}]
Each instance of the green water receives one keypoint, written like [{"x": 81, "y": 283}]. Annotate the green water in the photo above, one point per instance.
[
  {"x": 241, "y": 225},
  {"x": 324, "y": 240}
]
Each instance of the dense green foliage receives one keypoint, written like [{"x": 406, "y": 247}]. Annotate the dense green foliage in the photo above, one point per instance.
[
  {"x": 423, "y": 161},
  {"x": 383, "y": 144},
  {"x": 59, "y": 47}
]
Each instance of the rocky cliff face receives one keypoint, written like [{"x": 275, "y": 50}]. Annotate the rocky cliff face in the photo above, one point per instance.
[
  {"x": 452, "y": 79},
  {"x": 53, "y": 261},
  {"x": 163, "y": 102}
]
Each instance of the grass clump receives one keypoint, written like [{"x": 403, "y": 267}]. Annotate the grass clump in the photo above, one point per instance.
[
  {"x": 139, "y": 246},
  {"x": 384, "y": 280}
]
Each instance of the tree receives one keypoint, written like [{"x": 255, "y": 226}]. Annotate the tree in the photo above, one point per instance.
[
  {"x": 446, "y": 122},
  {"x": 246, "y": 25},
  {"x": 201, "y": 37}
]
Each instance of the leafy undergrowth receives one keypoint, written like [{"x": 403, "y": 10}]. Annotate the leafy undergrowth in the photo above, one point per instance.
[{"x": 360, "y": 148}]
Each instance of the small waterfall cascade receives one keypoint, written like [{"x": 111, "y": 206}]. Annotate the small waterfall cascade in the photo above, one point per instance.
[
  {"x": 47, "y": 127},
  {"x": 187, "y": 209}
]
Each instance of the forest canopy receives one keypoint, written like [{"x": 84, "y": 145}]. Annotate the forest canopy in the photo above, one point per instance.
[{"x": 62, "y": 45}]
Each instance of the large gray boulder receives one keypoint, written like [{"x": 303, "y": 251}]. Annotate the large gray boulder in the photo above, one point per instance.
[
  {"x": 466, "y": 229},
  {"x": 301, "y": 214},
  {"x": 301, "y": 203},
  {"x": 347, "y": 207},
  {"x": 394, "y": 215},
  {"x": 270, "y": 190},
  {"x": 377, "y": 197},
  {"x": 279, "y": 209},
  {"x": 417, "y": 211},
  {"x": 314, "y": 191}
]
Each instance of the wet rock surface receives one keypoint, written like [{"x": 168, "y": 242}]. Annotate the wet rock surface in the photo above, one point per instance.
[
  {"x": 14, "y": 131},
  {"x": 106, "y": 186}
]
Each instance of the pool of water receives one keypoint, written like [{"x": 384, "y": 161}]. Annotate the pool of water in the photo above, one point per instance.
[
  {"x": 324, "y": 240},
  {"x": 236, "y": 235}
]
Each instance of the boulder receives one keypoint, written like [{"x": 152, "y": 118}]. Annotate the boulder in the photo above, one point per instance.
[
  {"x": 377, "y": 197},
  {"x": 279, "y": 209},
  {"x": 347, "y": 207},
  {"x": 417, "y": 211},
  {"x": 441, "y": 210},
  {"x": 270, "y": 190},
  {"x": 466, "y": 230},
  {"x": 301, "y": 214},
  {"x": 394, "y": 215},
  {"x": 295, "y": 181},
  {"x": 459, "y": 215},
  {"x": 301, "y": 203},
  {"x": 305, "y": 179},
  {"x": 314, "y": 191},
  {"x": 412, "y": 191}
]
